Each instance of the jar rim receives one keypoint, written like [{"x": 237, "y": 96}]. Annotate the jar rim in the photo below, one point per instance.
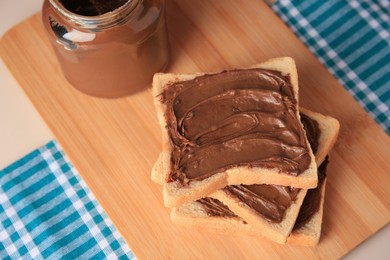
[{"x": 97, "y": 22}]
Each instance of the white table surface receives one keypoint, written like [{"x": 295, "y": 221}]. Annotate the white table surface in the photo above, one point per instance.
[{"x": 22, "y": 129}]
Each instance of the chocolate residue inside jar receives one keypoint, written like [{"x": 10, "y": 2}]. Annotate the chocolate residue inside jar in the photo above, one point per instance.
[{"x": 92, "y": 7}]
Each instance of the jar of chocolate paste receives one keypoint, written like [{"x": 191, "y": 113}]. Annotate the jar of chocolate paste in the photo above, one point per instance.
[{"x": 108, "y": 48}]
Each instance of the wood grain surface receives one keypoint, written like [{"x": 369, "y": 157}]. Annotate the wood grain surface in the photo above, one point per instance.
[{"x": 114, "y": 142}]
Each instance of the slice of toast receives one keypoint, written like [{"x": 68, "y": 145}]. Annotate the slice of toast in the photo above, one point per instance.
[
  {"x": 277, "y": 231},
  {"x": 308, "y": 234},
  {"x": 194, "y": 215},
  {"x": 277, "y": 167}
]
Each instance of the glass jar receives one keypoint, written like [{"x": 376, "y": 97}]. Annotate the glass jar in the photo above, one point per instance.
[{"x": 113, "y": 54}]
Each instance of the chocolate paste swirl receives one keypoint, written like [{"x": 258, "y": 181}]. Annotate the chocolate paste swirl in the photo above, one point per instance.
[
  {"x": 215, "y": 208},
  {"x": 312, "y": 131},
  {"x": 233, "y": 118},
  {"x": 272, "y": 201},
  {"x": 312, "y": 201}
]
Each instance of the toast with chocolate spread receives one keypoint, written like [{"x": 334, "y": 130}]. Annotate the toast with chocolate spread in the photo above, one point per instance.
[
  {"x": 233, "y": 127},
  {"x": 229, "y": 211},
  {"x": 213, "y": 215}
]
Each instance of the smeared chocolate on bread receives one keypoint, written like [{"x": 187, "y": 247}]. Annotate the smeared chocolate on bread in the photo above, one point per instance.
[
  {"x": 233, "y": 118},
  {"x": 236, "y": 143},
  {"x": 312, "y": 201},
  {"x": 272, "y": 201},
  {"x": 215, "y": 208}
]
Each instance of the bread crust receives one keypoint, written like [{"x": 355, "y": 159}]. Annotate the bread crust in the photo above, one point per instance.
[
  {"x": 277, "y": 232},
  {"x": 310, "y": 233},
  {"x": 193, "y": 215},
  {"x": 329, "y": 128},
  {"x": 175, "y": 194}
]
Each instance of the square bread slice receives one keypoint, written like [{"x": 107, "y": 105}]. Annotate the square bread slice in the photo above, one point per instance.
[
  {"x": 195, "y": 214},
  {"x": 259, "y": 207},
  {"x": 252, "y": 135}
]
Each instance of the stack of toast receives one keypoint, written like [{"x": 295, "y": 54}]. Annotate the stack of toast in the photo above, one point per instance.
[{"x": 240, "y": 155}]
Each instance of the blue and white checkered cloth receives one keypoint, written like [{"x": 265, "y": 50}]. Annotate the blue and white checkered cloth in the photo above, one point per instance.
[
  {"x": 47, "y": 211},
  {"x": 352, "y": 39}
]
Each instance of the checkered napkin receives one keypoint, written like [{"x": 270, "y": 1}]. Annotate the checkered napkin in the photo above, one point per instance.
[
  {"x": 47, "y": 211},
  {"x": 352, "y": 39}
]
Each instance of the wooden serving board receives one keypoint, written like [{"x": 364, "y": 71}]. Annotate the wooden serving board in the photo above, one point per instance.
[{"x": 114, "y": 143}]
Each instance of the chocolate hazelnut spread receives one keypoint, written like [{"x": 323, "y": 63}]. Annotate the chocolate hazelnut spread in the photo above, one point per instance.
[
  {"x": 233, "y": 118},
  {"x": 215, "y": 208},
  {"x": 108, "y": 48},
  {"x": 312, "y": 131},
  {"x": 312, "y": 201},
  {"x": 272, "y": 201}
]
